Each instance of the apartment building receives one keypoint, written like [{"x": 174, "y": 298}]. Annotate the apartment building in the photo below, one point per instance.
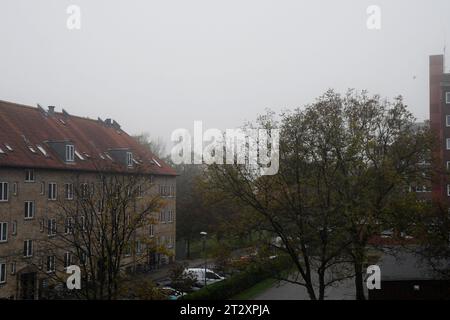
[
  {"x": 44, "y": 156},
  {"x": 440, "y": 124}
]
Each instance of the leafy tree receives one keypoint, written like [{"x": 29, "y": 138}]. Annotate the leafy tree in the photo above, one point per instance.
[{"x": 345, "y": 162}]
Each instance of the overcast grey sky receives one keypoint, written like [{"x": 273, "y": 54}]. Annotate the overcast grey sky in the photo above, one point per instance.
[{"x": 158, "y": 65}]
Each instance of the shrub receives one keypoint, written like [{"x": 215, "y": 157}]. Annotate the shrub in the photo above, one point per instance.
[{"x": 242, "y": 281}]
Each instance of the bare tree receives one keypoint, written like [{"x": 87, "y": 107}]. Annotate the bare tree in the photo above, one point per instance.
[{"x": 105, "y": 227}]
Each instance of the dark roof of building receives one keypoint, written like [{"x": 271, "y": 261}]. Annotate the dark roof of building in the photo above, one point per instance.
[{"x": 22, "y": 127}]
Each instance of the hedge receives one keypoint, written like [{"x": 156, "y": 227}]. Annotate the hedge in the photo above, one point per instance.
[{"x": 242, "y": 281}]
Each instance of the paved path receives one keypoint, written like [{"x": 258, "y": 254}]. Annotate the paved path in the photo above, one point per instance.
[{"x": 289, "y": 291}]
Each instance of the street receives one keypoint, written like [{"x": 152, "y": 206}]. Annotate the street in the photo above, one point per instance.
[{"x": 289, "y": 291}]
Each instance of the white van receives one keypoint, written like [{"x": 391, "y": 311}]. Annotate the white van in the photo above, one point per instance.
[{"x": 199, "y": 275}]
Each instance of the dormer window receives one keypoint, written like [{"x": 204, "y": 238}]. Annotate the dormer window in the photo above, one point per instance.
[
  {"x": 129, "y": 159},
  {"x": 70, "y": 153}
]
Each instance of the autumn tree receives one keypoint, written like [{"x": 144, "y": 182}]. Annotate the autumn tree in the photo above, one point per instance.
[
  {"x": 103, "y": 225},
  {"x": 345, "y": 162}
]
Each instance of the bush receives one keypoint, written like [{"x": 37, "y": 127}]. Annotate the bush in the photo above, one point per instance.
[{"x": 242, "y": 281}]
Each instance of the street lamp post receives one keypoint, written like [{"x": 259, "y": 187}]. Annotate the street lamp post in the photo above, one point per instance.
[{"x": 204, "y": 234}]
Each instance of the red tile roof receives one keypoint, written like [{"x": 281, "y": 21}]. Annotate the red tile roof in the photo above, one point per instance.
[{"x": 21, "y": 126}]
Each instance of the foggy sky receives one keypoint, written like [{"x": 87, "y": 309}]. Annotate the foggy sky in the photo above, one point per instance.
[{"x": 155, "y": 66}]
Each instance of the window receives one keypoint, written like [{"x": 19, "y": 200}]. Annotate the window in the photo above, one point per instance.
[
  {"x": 140, "y": 191},
  {"x": 83, "y": 223},
  {"x": 28, "y": 248},
  {"x": 127, "y": 250},
  {"x": 448, "y": 165},
  {"x": 15, "y": 188},
  {"x": 14, "y": 228},
  {"x": 129, "y": 159},
  {"x": 170, "y": 218},
  {"x": 68, "y": 190},
  {"x": 29, "y": 209},
  {"x": 2, "y": 272},
  {"x": 157, "y": 163},
  {"x": 67, "y": 260},
  {"x": 51, "y": 227},
  {"x": 448, "y": 144},
  {"x": 4, "y": 191},
  {"x": 170, "y": 242},
  {"x": 3, "y": 231},
  {"x": 83, "y": 257},
  {"x": 51, "y": 267},
  {"x": 138, "y": 247},
  {"x": 68, "y": 228},
  {"x": 79, "y": 156},
  {"x": 162, "y": 217},
  {"x": 447, "y": 97},
  {"x": 84, "y": 190},
  {"x": 70, "y": 153},
  {"x": 13, "y": 268},
  {"x": 52, "y": 191},
  {"x": 42, "y": 188},
  {"x": 9, "y": 147},
  {"x": 29, "y": 175},
  {"x": 42, "y": 150},
  {"x": 448, "y": 190},
  {"x": 152, "y": 230}
]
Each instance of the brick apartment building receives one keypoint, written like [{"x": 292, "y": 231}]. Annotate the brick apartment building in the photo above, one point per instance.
[
  {"x": 42, "y": 154},
  {"x": 440, "y": 123}
]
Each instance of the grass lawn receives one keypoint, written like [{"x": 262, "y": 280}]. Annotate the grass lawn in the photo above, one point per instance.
[{"x": 255, "y": 290}]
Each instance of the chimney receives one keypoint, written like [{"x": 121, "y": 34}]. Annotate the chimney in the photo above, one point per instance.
[{"x": 51, "y": 110}]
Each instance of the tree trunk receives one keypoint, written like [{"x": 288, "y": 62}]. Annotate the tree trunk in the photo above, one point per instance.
[
  {"x": 321, "y": 285},
  {"x": 188, "y": 248},
  {"x": 359, "y": 281}
]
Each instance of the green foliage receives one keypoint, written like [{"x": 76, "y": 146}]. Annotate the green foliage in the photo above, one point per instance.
[{"x": 239, "y": 282}]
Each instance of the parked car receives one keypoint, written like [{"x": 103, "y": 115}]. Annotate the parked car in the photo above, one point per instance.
[
  {"x": 199, "y": 275},
  {"x": 171, "y": 293}
]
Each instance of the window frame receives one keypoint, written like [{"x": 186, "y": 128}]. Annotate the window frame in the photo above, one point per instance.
[
  {"x": 27, "y": 215},
  {"x": 52, "y": 193},
  {"x": 129, "y": 159},
  {"x": 447, "y": 97},
  {"x": 30, "y": 173},
  {"x": 2, "y": 273},
  {"x": 67, "y": 259},
  {"x": 68, "y": 191},
  {"x": 70, "y": 153},
  {"x": 4, "y": 232},
  {"x": 51, "y": 264},
  {"x": 28, "y": 248},
  {"x": 4, "y": 190},
  {"x": 51, "y": 227}
]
